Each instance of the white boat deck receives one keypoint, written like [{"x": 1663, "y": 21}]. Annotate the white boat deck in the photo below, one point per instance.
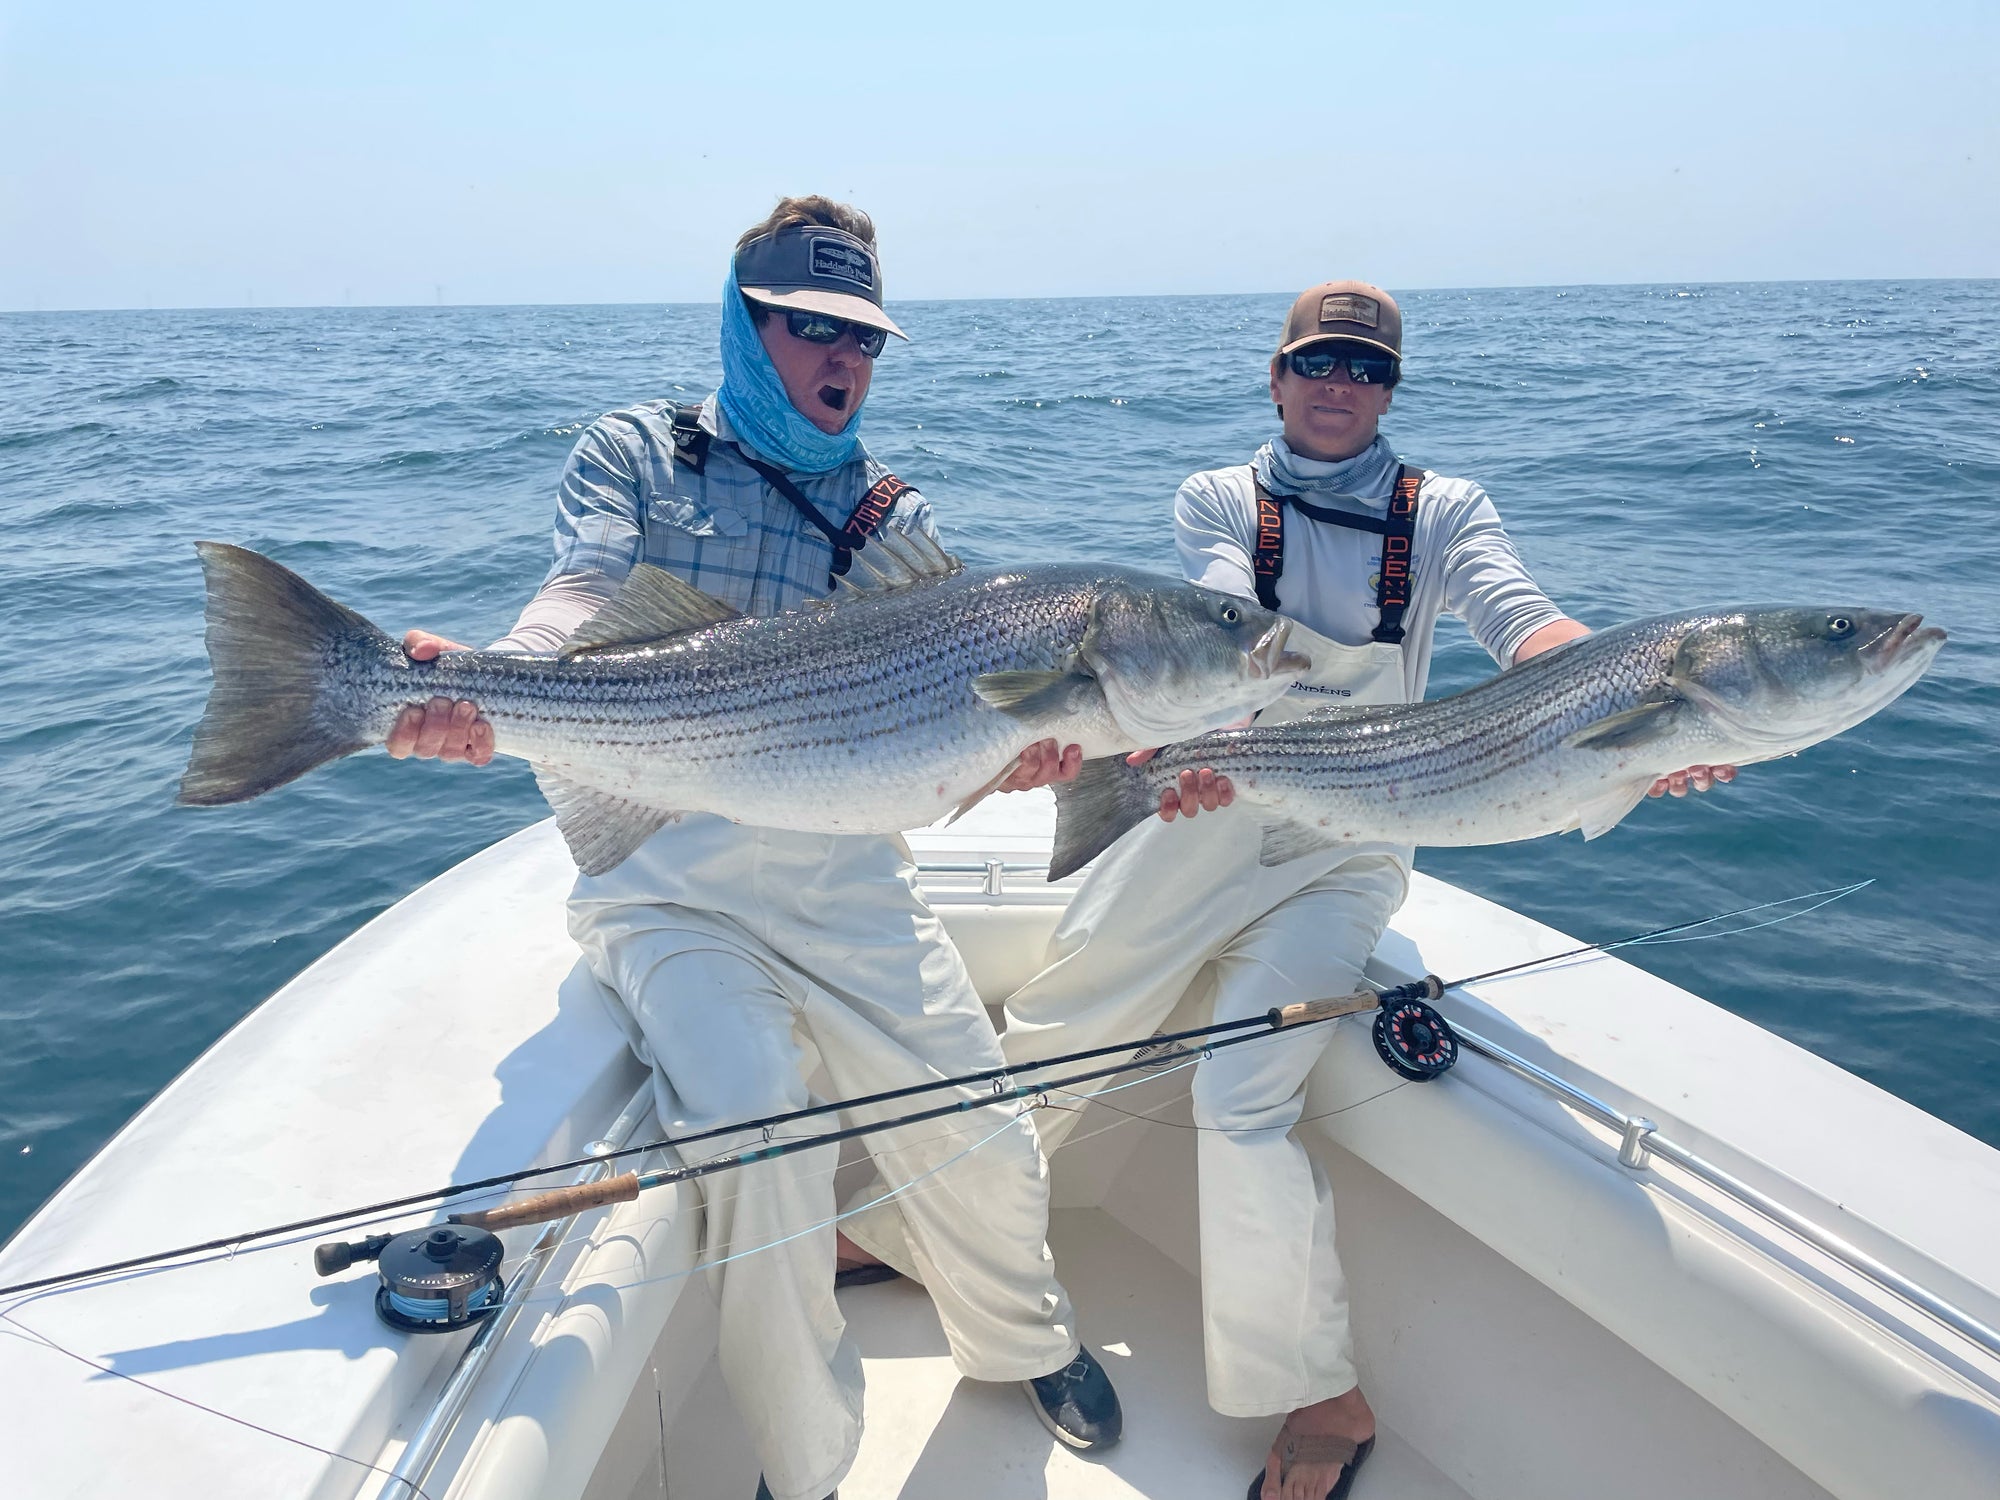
[{"x": 932, "y": 1435}]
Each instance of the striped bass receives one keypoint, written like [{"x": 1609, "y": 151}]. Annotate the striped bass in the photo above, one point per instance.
[
  {"x": 873, "y": 713},
  {"x": 1572, "y": 738}
]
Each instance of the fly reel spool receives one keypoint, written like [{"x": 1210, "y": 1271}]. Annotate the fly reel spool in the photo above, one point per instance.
[
  {"x": 1410, "y": 1034},
  {"x": 435, "y": 1280}
]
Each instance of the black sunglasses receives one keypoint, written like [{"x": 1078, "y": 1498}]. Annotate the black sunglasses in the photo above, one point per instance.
[
  {"x": 818, "y": 328},
  {"x": 1364, "y": 366}
]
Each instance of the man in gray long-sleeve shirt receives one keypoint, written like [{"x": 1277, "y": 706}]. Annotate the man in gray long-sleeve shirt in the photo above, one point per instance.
[
  {"x": 1326, "y": 524},
  {"x": 724, "y": 942}
]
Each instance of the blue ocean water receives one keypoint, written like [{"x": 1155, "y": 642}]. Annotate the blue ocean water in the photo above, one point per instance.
[{"x": 1649, "y": 447}]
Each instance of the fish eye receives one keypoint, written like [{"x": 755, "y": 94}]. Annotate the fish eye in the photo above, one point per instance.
[
  {"x": 1839, "y": 627},
  {"x": 1231, "y": 614}
]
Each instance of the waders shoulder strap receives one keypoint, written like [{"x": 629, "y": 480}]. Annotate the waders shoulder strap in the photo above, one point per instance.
[
  {"x": 864, "y": 522},
  {"x": 1269, "y": 559},
  {"x": 1392, "y": 591},
  {"x": 691, "y": 444},
  {"x": 1397, "y": 530},
  {"x": 690, "y": 437}
]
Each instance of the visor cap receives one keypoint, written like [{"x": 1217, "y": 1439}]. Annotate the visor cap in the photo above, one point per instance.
[
  {"x": 814, "y": 268},
  {"x": 1352, "y": 312}
]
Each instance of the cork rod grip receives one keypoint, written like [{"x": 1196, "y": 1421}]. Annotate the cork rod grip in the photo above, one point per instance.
[
  {"x": 557, "y": 1204},
  {"x": 1325, "y": 1010}
]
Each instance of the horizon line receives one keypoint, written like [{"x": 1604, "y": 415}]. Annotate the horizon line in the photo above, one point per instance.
[{"x": 1553, "y": 286}]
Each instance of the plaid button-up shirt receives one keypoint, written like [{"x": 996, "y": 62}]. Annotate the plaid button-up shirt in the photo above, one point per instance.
[{"x": 725, "y": 530}]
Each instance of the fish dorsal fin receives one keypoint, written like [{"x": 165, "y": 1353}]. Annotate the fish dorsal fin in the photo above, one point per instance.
[
  {"x": 601, "y": 830},
  {"x": 895, "y": 560},
  {"x": 892, "y": 560},
  {"x": 651, "y": 605}
]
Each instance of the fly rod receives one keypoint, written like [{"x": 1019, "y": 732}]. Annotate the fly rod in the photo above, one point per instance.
[{"x": 1411, "y": 1036}]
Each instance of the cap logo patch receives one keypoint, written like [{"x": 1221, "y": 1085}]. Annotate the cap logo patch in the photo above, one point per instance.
[
  {"x": 831, "y": 258},
  {"x": 1350, "y": 307}
]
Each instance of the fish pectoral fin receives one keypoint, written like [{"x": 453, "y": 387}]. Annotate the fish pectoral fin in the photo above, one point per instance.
[
  {"x": 652, "y": 605},
  {"x": 1605, "y": 813},
  {"x": 1632, "y": 728},
  {"x": 1029, "y": 695},
  {"x": 600, "y": 829},
  {"x": 1284, "y": 842}
]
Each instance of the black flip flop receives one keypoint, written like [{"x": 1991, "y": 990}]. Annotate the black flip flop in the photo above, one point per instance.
[{"x": 1304, "y": 1448}]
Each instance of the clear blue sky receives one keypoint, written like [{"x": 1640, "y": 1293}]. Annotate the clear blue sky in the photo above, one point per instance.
[{"x": 224, "y": 154}]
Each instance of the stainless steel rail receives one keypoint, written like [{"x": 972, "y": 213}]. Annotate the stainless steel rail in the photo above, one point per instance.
[
  {"x": 1639, "y": 1142},
  {"x": 996, "y": 871},
  {"x": 413, "y": 1469}
]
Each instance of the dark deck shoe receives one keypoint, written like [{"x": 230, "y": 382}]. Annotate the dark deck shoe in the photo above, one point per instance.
[
  {"x": 764, "y": 1491},
  {"x": 1077, "y": 1404}
]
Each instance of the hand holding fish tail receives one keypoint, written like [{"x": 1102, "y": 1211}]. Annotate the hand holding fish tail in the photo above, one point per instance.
[
  {"x": 439, "y": 729},
  {"x": 1194, "y": 791}
]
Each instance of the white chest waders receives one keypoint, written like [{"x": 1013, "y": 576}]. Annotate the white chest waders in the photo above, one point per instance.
[{"x": 1183, "y": 911}]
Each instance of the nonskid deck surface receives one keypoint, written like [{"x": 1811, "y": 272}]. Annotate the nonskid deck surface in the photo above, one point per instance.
[{"x": 931, "y": 1435}]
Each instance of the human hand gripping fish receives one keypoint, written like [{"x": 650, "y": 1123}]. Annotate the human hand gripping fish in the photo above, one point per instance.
[{"x": 439, "y": 728}]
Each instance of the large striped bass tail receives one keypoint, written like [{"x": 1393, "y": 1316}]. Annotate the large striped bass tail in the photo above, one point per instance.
[
  {"x": 1107, "y": 800},
  {"x": 276, "y": 709}
]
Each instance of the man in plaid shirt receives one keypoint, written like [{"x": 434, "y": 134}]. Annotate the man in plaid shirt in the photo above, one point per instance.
[{"x": 724, "y": 942}]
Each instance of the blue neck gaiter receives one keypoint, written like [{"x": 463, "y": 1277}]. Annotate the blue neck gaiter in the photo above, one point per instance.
[{"x": 754, "y": 399}]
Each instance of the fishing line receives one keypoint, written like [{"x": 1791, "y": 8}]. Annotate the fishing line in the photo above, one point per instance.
[
  {"x": 910, "y": 1188},
  {"x": 1663, "y": 933},
  {"x": 1401, "y": 1083},
  {"x": 373, "y": 1211},
  {"x": 46, "y": 1342},
  {"x": 1430, "y": 986},
  {"x": 359, "y": 1219},
  {"x": 1831, "y": 897}
]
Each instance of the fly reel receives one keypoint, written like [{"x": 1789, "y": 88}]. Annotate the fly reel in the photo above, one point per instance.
[
  {"x": 436, "y": 1280},
  {"x": 1412, "y": 1037}
]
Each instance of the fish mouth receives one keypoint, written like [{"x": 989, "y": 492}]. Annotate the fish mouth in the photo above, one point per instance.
[
  {"x": 1907, "y": 636},
  {"x": 1269, "y": 657}
]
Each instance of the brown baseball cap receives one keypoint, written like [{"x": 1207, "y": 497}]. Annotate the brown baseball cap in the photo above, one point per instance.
[
  {"x": 1351, "y": 311},
  {"x": 816, "y": 269}
]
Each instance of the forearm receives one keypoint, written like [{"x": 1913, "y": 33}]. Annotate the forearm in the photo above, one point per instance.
[
  {"x": 1549, "y": 637},
  {"x": 552, "y": 616}
]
